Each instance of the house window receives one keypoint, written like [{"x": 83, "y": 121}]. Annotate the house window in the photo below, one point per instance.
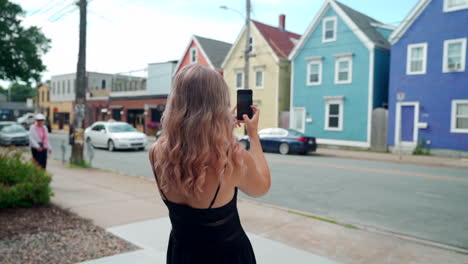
[
  {"x": 63, "y": 87},
  {"x": 454, "y": 5},
  {"x": 299, "y": 119},
  {"x": 193, "y": 55},
  {"x": 314, "y": 72},
  {"x": 416, "y": 59},
  {"x": 239, "y": 80},
  {"x": 58, "y": 87},
  {"x": 329, "y": 29},
  {"x": 68, "y": 87},
  {"x": 343, "y": 70},
  {"x": 454, "y": 55},
  {"x": 251, "y": 46},
  {"x": 259, "y": 78},
  {"x": 459, "y": 118},
  {"x": 334, "y": 115},
  {"x": 103, "y": 84}
]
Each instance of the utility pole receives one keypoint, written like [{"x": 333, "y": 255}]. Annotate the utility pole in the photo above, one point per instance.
[
  {"x": 77, "y": 135},
  {"x": 247, "y": 45}
]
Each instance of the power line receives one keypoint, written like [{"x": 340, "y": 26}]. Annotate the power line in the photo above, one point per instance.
[
  {"x": 61, "y": 13},
  {"x": 42, "y": 8}
]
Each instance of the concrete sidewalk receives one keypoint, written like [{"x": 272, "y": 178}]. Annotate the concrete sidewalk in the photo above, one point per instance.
[
  {"x": 391, "y": 157},
  {"x": 130, "y": 208}
]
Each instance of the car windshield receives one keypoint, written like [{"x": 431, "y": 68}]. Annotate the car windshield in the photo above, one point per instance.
[
  {"x": 121, "y": 128},
  {"x": 13, "y": 129},
  {"x": 295, "y": 133}
]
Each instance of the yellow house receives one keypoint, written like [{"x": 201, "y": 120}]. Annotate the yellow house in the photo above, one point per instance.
[
  {"x": 43, "y": 99},
  {"x": 269, "y": 71}
]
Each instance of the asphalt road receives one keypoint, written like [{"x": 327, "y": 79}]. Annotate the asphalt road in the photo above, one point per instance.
[{"x": 419, "y": 201}]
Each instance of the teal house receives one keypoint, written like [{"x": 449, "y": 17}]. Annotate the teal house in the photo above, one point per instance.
[{"x": 340, "y": 72}]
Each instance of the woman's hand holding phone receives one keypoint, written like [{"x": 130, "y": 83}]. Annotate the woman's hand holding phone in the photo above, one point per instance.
[{"x": 252, "y": 123}]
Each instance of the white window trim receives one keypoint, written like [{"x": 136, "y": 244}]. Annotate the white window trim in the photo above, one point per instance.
[
  {"x": 263, "y": 78},
  {"x": 408, "y": 58},
  {"x": 242, "y": 80},
  {"x": 320, "y": 64},
  {"x": 453, "y": 119},
  {"x": 350, "y": 73},
  {"x": 196, "y": 55},
  {"x": 303, "y": 110},
  {"x": 463, "y": 54},
  {"x": 340, "y": 116},
  {"x": 335, "y": 27},
  {"x": 451, "y": 9}
]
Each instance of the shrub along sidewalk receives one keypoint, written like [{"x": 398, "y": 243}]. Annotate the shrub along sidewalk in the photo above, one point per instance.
[{"x": 34, "y": 231}]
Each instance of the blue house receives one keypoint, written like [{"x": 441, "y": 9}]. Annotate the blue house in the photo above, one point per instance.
[
  {"x": 339, "y": 75},
  {"x": 428, "y": 93}
]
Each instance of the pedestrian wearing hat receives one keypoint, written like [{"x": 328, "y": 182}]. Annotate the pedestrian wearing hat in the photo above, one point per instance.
[{"x": 39, "y": 141}]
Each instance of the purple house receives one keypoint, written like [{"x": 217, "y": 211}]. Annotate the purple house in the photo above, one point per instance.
[{"x": 428, "y": 91}]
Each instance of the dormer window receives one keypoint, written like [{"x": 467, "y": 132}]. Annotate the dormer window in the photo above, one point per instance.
[
  {"x": 193, "y": 55},
  {"x": 329, "y": 29},
  {"x": 454, "y": 5}
]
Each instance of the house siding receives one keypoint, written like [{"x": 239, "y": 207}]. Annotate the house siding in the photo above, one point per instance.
[
  {"x": 434, "y": 90},
  {"x": 264, "y": 98},
  {"x": 355, "y": 117}
]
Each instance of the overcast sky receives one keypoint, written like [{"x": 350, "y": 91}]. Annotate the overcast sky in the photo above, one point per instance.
[{"x": 126, "y": 35}]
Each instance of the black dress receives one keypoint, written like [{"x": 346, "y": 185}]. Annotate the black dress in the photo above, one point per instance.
[{"x": 212, "y": 235}]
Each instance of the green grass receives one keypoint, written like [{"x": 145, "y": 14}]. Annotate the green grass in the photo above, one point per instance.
[
  {"x": 323, "y": 219},
  {"x": 82, "y": 165}
]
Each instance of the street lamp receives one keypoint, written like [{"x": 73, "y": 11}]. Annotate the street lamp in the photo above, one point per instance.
[{"x": 247, "y": 40}]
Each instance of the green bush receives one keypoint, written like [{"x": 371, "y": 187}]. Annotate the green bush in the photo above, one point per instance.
[{"x": 22, "y": 183}]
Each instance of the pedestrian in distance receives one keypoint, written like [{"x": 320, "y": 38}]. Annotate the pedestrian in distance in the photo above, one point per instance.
[
  {"x": 199, "y": 167},
  {"x": 39, "y": 141}
]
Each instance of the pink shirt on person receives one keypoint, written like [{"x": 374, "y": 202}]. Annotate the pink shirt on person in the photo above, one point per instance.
[{"x": 41, "y": 132}]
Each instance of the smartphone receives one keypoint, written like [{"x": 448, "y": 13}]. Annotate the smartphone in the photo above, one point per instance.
[{"x": 244, "y": 103}]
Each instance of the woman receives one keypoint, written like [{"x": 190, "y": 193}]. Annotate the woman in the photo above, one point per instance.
[
  {"x": 39, "y": 141},
  {"x": 199, "y": 167}
]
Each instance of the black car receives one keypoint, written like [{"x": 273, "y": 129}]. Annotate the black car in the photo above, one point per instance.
[
  {"x": 282, "y": 140},
  {"x": 14, "y": 135}
]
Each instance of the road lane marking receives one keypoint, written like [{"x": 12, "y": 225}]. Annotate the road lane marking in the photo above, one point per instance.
[
  {"x": 421, "y": 175},
  {"x": 431, "y": 195}
]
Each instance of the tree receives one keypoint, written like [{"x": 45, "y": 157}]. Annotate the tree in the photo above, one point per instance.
[
  {"x": 20, "y": 92},
  {"x": 20, "y": 48}
]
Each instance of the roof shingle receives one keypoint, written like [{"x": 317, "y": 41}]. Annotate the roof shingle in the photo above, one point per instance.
[
  {"x": 279, "y": 41},
  {"x": 215, "y": 50}
]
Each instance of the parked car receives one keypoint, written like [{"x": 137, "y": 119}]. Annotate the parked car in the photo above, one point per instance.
[
  {"x": 26, "y": 120},
  {"x": 114, "y": 135},
  {"x": 14, "y": 135},
  {"x": 7, "y": 123},
  {"x": 284, "y": 141}
]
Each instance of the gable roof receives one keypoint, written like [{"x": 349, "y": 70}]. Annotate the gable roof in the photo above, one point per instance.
[
  {"x": 214, "y": 50},
  {"x": 408, "y": 21},
  {"x": 365, "y": 24},
  {"x": 279, "y": 41},
  {"x": 362, "y": 25}
]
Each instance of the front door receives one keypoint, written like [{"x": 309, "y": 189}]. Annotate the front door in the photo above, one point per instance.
[{"x": 407, "y": 119}]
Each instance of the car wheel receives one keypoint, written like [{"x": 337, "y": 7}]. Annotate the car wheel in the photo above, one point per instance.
[
  {"x": 244, "y": 144},
  {"x": 110, "y": 146},
  {"x": 284, "y": 148}
]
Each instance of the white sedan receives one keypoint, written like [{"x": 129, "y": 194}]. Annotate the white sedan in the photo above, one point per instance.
[{"x": 115, "y": 135}]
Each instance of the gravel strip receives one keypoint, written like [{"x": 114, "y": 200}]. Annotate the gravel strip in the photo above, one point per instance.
[{"x": 48, "y": 234}]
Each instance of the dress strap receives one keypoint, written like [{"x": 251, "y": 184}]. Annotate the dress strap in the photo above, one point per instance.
[
  {"x": 216, "y": 195},
  {"x": 154, "y": 171}
]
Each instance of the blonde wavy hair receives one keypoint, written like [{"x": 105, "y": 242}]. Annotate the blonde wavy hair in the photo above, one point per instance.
[{"x": 197, "y": 134}]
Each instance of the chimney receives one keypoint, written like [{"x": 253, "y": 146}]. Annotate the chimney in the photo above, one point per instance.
[{"x": 282, "y": 22}]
